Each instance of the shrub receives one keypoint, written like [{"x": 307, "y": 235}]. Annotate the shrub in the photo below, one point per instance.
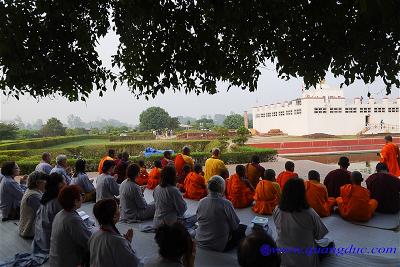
[{"x": 133, "y": 136}]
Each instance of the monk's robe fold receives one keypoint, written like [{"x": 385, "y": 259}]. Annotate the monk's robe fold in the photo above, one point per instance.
[
  {"x": 267, "y": 197},
  {"x": 143, "y": 177},
  {"x": 195, "y": 186},
  {"x": 154, "y": 178},
  {"x": 254, "y": 172},
  {"x": 100, "y": 168},
  {"x": 390, "y": 156},
  {"x": 285, "y": 176},
  {"x": 355, "y": 204},
  {"x": 238, "y": 192},
  {"x": 213, "y": 166},
  {"x": 317, "y": 198}
]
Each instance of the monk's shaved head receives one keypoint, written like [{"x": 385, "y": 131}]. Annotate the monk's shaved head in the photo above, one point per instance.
[
  {"x": 388, "y": 138},
  {"x": 186, "y": 150},
  {"x": 198, "y": 168},
  {"x": 215, "y": 151},
  {"x": 356, "y": 178},
  {"x": 269, "y": 175},
  {"x": 381, "y": 167},
  {"x": 289, "y": 166},
  {"x": 241, "y": 170},
  {"x": 314, "y": 175},
  {"x": 344, "y": 162}
]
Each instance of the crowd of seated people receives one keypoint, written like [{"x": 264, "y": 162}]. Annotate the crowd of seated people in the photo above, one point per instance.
[{"x": 47, "y": 209}]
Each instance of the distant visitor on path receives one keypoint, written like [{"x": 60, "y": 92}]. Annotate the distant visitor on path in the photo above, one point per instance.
[
  {"x": 390, "y": 155},
  {"x": 385, "y": 188},
  {"x": 354, "y": 202},
  {"x": 11, "y": 191},
  {"x": 110, "y": 156},
  {"x": 219, "y": 226},
  {"x": 62, "y": 168},
  {"x": 254, "y": 171},
  {"x": 267, "y": 194},
  {"x": 287, "y": 174},
  {"x": 317, "y": 195},
  {"x": 81, "y": 179},
  {"x": 182, "y": 159},
  {"x": 214, "y": 166},
  {"x": 195, "y": 184},
  {"x": 337, "y": 178},
  {"x": 297, "y": 225},
  {"x": 44, "y": 165},
  {"x": 239, "y": 189}
]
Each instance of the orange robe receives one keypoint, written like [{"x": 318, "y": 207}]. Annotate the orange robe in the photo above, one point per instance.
[
  {"x": 390, "y": 156},
  {"x": 267, "y": 197},
  {"x": 154, "y": 178},
  {"x": 100, "y": 168},
  {"x": 180, "y": 161},
  {"x": 143, "y": 177},
  {"x": 355, "y": 204},
  {"x": 238, "y": 192},
  {"x": 285, "y": 176},
  {"x": 195, "y": 186},
  {"x": 317, "y": 198},
  {"x": 254, "y": 173}
]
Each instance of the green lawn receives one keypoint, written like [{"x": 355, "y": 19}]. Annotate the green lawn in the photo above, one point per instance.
[{"x": 81, "y": 143}]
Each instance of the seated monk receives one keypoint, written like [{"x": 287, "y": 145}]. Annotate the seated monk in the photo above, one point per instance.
[
  {"x": 167, "y": 159},
  {"x": 335, "y": 179},
  {"x": 317, "y": 195},
  {"x": 144, "y": 175},
  {"x": 254, "y": 171},
  {"x": 354, "y": 202},
  {"x": 182, "y": 159},
  {"x": 286, "y": 175},
  {"x": 238, "y": 189},
  {"x": 181, "y": 179},
  {"x": 195, "y": 184},
  {"x": 110, "y": 156},
  {"x": 268, "y": 193},
  {"x": 154, "y": 175}
]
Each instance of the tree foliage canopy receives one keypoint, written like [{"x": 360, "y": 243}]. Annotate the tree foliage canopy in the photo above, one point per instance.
[
  {"x": 48, "y": 47},
  {"x": 234, "y": 121},
  {"x": 53, "y": 127},
  {"x": 8, "y": 131},
  {"x": 156, "y": 118}
]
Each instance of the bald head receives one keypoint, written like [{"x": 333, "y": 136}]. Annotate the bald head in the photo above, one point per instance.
[
  {"x": 289, "y": 166},
  {"x": 216, "y": 151},
  {"x": 356, "y": 178},
  {"x": 46, "y": 157},
  {"x": 186, "y": 150},
  {"x": 388, "y": 138}
]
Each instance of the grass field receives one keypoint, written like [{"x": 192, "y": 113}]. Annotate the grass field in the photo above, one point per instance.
[{"x": 80, "y": 143}]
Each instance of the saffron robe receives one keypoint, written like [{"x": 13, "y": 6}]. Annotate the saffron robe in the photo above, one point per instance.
[
  {"x": 335, "y": 179},
  {"x": 213, "y": 166},
  {"x": 166, "y": 162},
  {"x": 100, "y": 168},
  {"x": 254, "y": 172},
  {"x": 385, "y": 188},
  {"x": 143, "y": 177},
  {"x": 154, "y": 178},
  {"x": 390, "y": 156},
  {"x": 267, "y": 197},
  {"x": 355, "y": 204},
  {"x": 180, "y": 161},
  {"x": 195, "y": 186},
  {"x": 317, "y": 198},
  {"x": 285, "y": 176},
  {"x": 238, "y": 192}
]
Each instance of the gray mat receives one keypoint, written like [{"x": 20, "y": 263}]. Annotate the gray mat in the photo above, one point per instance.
[{"x": 382, "y": 221}]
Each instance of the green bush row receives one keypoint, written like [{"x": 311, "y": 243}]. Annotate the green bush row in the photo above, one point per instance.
[
  {"x": 27, "y": 166},
  {"x": 46, "y": 142},
  {"x": 133, "y": 136}
]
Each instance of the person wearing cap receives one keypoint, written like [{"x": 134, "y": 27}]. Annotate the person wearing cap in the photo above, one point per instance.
[
  {"x": 214, "y": 166},
  {"x": 337, "y": 178}
]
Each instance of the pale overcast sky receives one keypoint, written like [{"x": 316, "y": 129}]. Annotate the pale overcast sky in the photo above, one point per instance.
[{"x": 123, "y": 106}]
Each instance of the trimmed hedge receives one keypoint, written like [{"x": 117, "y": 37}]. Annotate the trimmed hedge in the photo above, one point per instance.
[
  {"x": 46, "y": 142},
  {"x": 132, "y": 137}
]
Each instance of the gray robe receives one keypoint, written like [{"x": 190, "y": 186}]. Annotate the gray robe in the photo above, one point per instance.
[
  {"x": 60, "y": 170},
  {"x": 108, "y": 248},
  {"x": 106, "y": 187},
  {"x": 158, "y": 261},
  {"x": 169, "y": 205},
  {"x": 298, "y": 230},
  {"x": 216, "y": 218},
  {"x": 132, "y": 202},
  {"x": 82, "y": 180},
  {"x": 44, "y": 221},
  {"x": 11, "y": 194},
  {"x": 44, "y": 167},
  {"x": 69, "y": 239}
]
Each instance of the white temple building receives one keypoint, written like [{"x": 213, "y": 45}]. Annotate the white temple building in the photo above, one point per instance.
[{"x": 324, "y": 109}]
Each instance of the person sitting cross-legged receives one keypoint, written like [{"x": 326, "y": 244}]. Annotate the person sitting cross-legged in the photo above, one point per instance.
[
  {"x": 287, "y": 174},
  {"x": 257, "y": 250},
  {"x": 337, "y": 178},
  {"x": 354, "y": 202},
  {"x": 107, "y": 246},
  {"x": 106, "y": 185},
  {"x": 238, "y": 189},
  {"x": 143, "y": 178},
  {"x": 133, "y": 205},
  {"x": 81, "y": 179},
  {"x": 154, "y": 176},
  {"x": 254, "y": 171},
  {"x": 181, "y": 179},
  {"x": 219, "y": 227},
  {"x": 267, "y": 194},
  {"x": 195, "y": 184},
  {"x": 317, "y": 195}
]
